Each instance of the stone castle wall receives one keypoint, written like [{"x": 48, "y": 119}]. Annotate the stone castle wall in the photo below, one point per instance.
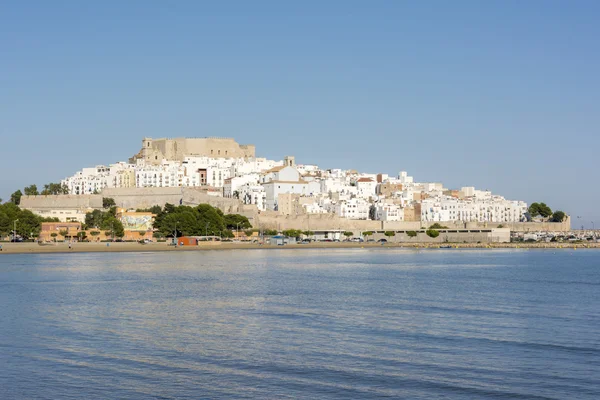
[
  {"x": 147, "y": 197},
  {"x": 155, "y": 150}
]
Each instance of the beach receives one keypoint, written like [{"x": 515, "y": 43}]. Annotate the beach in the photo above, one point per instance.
[{"x": 85, "y": 247}]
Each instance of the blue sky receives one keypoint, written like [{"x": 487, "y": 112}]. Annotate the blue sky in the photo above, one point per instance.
[{"x": 501, "y": 95}]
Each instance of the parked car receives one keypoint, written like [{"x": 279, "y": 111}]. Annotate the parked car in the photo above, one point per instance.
[{"x": 382, "y": 240}]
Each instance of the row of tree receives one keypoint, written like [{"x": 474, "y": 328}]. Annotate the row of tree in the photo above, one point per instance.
[
  {"x": 196, "y": 221},
  {"x": 32, "y": 190},
  {"x": 542, "y": 210},
  {"x": 28, "y": 225}
]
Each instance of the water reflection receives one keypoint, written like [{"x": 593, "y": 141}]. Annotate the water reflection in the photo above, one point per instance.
[{"x": 346, "y": 323}]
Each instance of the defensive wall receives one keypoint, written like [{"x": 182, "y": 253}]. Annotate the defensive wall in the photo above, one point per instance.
[
  {"x": 64, "y": 201},
  {"x": 136, "y": 198},
  {"x": 314, "y": 222}
]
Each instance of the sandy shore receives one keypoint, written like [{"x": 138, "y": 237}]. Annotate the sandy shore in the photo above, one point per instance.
[{"x": 20, "y": 248}]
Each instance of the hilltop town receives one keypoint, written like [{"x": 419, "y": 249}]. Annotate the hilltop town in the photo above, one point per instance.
[{"x": 284, "y": 194}]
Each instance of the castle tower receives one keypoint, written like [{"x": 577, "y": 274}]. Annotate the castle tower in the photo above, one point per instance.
[
  {"x": 289, "y": 161},
  {"x": 146, "y": 148}
]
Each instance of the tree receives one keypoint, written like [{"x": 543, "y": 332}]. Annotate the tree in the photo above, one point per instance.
[
  {"x": 540, "y": 209},
  {"x": 432, "y": 233},
  {"x": 411, "y": 234},
  {"x": 248, "y": 232},
  {"x": 63, "y": 233},
  {"x": 348, "y": 234},
  {"x": 81, "y": 236},
  {"x": 308, "y": 233},
  {"x": 15, "y": 198},
  {"x": 292, "y": 233},
  {"x": 141, "y": 233},
  {"x": 558, "y": 216},
  {"x": 54, "y": 235},
  {"x": 389, "y": 233},
  {"x": 270, "y": 232},
  {"x": 54, "y": 189},
  {"x": 545, "y": 211},
  {"x": 108, "y": 202},
  {"x": 31, "y": 190},
  {"x": 437, "y": 226},
  {"x": 372, "y": 212},
  {"x": 368, "y": 233},
  {"x": 235, "y": 221},
  {"x": 94, "y": 233},
  {"x": 534, "y": 210}
]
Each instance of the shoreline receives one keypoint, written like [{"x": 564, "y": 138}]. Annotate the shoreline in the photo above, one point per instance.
[{"x": 116, "y": 247}]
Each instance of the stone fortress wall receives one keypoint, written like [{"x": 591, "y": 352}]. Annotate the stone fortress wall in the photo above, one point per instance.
[
  {"x": 155, "y": 150},
  {"x": 136, "y": 198}
]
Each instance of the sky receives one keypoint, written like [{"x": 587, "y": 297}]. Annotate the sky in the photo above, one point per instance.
[{"x": 500, "y": 95}]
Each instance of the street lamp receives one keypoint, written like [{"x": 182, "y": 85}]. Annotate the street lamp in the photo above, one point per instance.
[
  {"x": 175, "y": 233},
  {"x": 15, "y": 230}
]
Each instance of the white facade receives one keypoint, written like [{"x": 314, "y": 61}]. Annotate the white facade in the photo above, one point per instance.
[
  {"x": 353, "y": 209},
  {"x": 389, "y": 212},
  {"x": 496, "y": 209}
]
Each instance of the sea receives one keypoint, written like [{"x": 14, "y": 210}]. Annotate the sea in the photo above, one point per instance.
[{"x": 301, "y": 324}]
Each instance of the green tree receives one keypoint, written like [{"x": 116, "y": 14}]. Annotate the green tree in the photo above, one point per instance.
[
  {"x": 411, "y": 234},
  {"x": 389, "y": 233},
  {"x": 539, "y": 209},
  {"x": 438, "y": 226},
  {"x": 15, "y": 198},
  {"x": 348, "y": 234},
  {"x": 544, "y": 210},
  {"x": 534, "y": 210},
  {"x": 235, "y": 221},
  {"x": 63, "y": 233},
  {"x": 5, "y": 224},
  {"x": 31, "y": 190},
  {"x": 368, "y": 233},
  {"x": 94, "y": 233},
  {"x": 558, "y": 216},
  {"x": 141, "y": 233},
  {"x": 432, "y": 233},
  {"x": 54, "y": 235},
  {"x": 108, "y": 202},
  {"x": 54, "y": 189},
  {"x": 270, "y": 232},
  {"x": 292, "y": 233},
  {"x": 308, "y": 233},
  {"x": 81, "y": 236},
  {"x": 248, "y": 232}
]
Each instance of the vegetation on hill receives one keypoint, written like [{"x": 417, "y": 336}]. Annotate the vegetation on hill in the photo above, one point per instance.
[
  {"x": 542, "y": 210},
  {"x": 28, "y": 224},
  {"x": 432, "y": 233},
  {"x": 196, "y": 221},
  {"x": 104, "y": 221}
]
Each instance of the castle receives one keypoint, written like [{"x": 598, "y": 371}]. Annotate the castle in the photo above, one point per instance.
[{"x": 155, "y": 150}]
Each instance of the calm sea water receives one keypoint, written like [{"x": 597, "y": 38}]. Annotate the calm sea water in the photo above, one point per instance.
[{"x": 269, "y": 324}]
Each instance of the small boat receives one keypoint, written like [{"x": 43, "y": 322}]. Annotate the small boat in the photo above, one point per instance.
[{"x": 445, "y": 247}]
